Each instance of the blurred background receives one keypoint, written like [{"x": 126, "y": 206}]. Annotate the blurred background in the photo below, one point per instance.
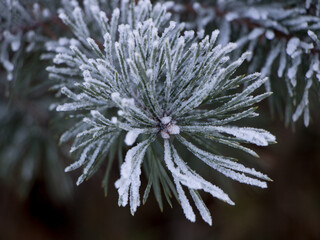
[{"x": 288, "y": 209}]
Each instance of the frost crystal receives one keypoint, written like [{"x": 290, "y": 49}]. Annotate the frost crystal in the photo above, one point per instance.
[
  {"x": 132, "y": 136},
  {"x": 284, "y": 37},
  {"x": 168, "y": 127},
  {"x": 166, "y": 86}
]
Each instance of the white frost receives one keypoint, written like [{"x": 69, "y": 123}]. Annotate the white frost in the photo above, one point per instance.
[
  {"x": 165, "y": 120},
  {"x": 292, "y": 45},
  {"x": 114, "y": 120},
  {"x": 185, "y": 204},
  {"x": 132, "y": 136},
  {"x": 173, "y": 129}
]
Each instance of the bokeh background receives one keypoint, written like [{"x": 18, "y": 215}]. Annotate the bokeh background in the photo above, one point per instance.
[{"x": 288, "y": 209}]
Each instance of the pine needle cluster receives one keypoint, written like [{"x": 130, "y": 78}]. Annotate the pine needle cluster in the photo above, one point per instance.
[{"x": 139, "y": 78}]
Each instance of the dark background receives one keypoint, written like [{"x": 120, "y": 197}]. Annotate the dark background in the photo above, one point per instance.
[{"x": 288, "y": 209}]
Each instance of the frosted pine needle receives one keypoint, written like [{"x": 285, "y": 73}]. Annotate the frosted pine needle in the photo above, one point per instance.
[{"x": 145, "y": 81}]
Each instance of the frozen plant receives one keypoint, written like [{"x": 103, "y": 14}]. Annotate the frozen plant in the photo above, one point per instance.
[
  {"x": 141, "y": 80},
  {"x": 20, "y": 31},
  {"x": 28, "y": 150},
  {"x": 278, "y": 35}
]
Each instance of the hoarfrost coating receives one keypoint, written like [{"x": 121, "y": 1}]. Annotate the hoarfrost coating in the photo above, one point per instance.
[{"x": 160, "y": 89}]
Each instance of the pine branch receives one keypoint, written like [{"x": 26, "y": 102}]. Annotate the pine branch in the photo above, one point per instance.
[
  {"x": 189, "y": 8},
  {"x": 279, "y": 30},
  {"x": 154, "y": 83}
]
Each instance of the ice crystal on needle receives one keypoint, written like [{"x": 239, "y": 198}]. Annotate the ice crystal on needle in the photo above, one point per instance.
[{"x": 141, "y": 79}]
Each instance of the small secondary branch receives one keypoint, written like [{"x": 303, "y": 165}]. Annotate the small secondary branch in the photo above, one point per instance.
[{"x": 244, "y": 21}]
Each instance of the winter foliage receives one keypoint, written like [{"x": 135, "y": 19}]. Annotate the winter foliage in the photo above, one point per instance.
[
  {"x": 28, "y": 149},
  {"x": 142, "y": 83},
  {"x": 146, "y": 79},
  {"x": 20, "y": 32},
  {"x": 282, "y": 37}
]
